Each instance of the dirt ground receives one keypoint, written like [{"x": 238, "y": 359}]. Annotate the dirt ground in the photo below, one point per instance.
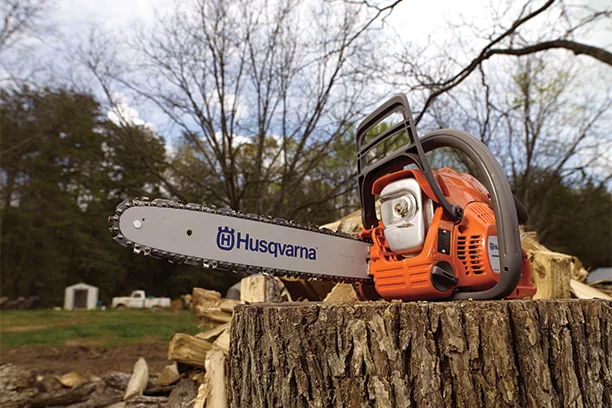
[{"x": 87, "y": 359}]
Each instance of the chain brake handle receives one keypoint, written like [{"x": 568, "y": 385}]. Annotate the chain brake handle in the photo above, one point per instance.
[{"x": 488, "y": 169}]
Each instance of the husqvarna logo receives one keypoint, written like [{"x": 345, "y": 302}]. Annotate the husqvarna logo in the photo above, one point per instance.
[
  {"x": 228, "y": 239},
  {"x": 225, "y": 238}
]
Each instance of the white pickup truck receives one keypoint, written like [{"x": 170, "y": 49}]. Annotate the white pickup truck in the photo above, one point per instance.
[{"x": 139, "y": 300}]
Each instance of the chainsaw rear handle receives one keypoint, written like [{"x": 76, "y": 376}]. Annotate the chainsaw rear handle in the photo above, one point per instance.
[
  {"x": 397, "y": 103},
  {"x": 489, "y": 172},
  {"x": 506, "y": 216}
]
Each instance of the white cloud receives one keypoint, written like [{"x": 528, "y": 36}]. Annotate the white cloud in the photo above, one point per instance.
[{"x": 122, "y": 112}]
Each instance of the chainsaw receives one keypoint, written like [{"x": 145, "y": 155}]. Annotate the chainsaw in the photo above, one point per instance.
[{"x": 437, "y": 235}]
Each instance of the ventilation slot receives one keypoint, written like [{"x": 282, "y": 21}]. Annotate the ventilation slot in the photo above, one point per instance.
[
  {"x": 484, "y": 212},
  {"x": 382, "y": 244},
  {"x": 470, "y": 253}
]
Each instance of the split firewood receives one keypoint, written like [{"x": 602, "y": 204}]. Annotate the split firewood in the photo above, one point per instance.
[
  {"x": 583, "y": 291},
  {"x": 138, "y": 381},
  {"x": 205, "y": 298},
  {"x": 188, "y": 349},
  {"x": 301, "y": 289},
  {"x": 214, "y": 380},
  {"x": 212, "y": 334},
  {"x": 211, "y": 314},
  {"x": 201, "y": 398},
  {"x": 260, "y": 288},
  {"x": 169, "y": 375},
  {"x": 551, "y": 271},
  {"x": 223, "y": 341},
  {"x": 342, "y": 292},
  {"x": 227, "y": 305}
]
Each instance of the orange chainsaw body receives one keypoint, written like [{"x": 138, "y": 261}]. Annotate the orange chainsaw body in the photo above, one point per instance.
[{"x": 463, "y": 245}]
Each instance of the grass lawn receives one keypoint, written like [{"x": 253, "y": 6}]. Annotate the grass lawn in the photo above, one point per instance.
[{"x": 100, "y": 327}]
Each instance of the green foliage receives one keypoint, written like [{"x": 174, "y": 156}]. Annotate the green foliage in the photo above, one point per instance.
[
  {"x": 106, "y": 328},
  {"x": 572, "y": 217},
  {"x": 64, "y": 169}
]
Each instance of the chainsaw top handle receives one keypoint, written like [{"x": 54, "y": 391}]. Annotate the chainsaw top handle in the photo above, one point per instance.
[{"x": 489, "y": 173}]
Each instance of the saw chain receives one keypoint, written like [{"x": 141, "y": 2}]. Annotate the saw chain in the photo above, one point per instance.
[{"x": 177, "y": 258}]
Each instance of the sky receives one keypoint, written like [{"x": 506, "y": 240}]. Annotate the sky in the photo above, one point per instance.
[{"x": 419, "y": 21}]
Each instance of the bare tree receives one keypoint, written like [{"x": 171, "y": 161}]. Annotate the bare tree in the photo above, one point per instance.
[
  {"x": 21, "y": 17},
  {"x": 261, "y": 93},
  {"x": 532, "y": 28},
  {"x": 542, "y": 127}
]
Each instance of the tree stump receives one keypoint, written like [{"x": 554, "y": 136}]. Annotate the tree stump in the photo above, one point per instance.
[{"x": 522, "y": 353}]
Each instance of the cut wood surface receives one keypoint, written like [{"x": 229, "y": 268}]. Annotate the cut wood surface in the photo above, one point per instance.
[
  {"x": 521, "y": 353},
  {"x": 552, "y": 271},
  {"x": 260, "y": 288},
  {"x": 188, "y": 349}
]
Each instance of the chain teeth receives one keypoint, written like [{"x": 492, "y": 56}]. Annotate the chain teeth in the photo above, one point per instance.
[{"x": 175, "y": 258}]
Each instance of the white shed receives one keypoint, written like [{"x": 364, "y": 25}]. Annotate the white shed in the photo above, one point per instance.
[{"x": 80, "y": 297}]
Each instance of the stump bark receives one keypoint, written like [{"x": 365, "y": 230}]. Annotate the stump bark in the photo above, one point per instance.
[{"x": 454, "y": 354}]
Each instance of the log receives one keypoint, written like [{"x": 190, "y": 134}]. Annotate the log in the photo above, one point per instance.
[
  {"x": 521, "y": 353},
  {"x": 188, "y": 349},
  {"x": 184, "y": 394},
  {"x": 64, "y": 397}
]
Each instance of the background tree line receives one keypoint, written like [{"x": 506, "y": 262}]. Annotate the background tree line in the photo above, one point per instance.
[{"x": 261, "y": 103}]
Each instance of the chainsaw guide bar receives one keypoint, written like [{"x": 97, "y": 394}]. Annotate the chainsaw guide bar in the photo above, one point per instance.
[{"x": 211, "y": 238}]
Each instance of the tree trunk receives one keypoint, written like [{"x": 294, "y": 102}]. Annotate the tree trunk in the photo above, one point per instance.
[{"x": 423, "y": 354}]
